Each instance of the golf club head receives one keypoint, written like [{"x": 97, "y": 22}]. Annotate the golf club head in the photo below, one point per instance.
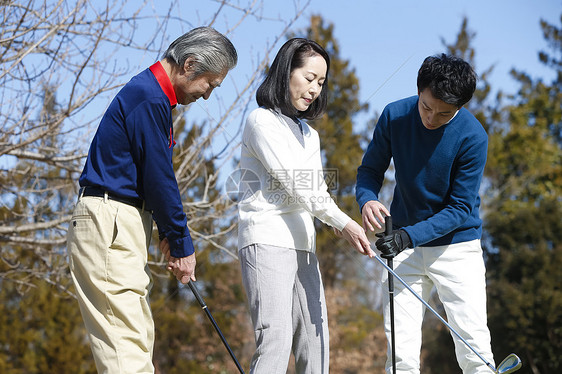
[{"x": 510, "y": 364}]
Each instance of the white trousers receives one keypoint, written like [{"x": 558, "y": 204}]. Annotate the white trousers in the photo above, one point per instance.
[
  {"x": 458, "y": 273},
  {"x": 107, "y": 245},
  {"x": 288, "y": 309}
]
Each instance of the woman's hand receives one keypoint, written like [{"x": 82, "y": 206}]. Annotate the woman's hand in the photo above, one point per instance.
[{"x": 355, "y": 235}]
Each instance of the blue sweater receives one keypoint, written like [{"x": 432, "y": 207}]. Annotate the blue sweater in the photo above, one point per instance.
[
  {"x": 131, "y": 156},
  {"x": 438, "y": 173}
]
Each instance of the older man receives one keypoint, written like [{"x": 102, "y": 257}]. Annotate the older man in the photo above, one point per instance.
[{"x": 128, "y": 179}]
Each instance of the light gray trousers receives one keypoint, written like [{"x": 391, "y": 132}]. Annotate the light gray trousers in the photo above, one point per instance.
[{"x": 288, "y": 309}]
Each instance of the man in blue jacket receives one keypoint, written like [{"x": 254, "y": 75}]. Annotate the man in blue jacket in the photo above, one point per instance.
[
  {"x": 439, "y": 151},
  {"x": 127, "y": 181}
]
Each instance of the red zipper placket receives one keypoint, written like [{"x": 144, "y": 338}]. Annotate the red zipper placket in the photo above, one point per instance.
[{"x": 172, "y": 141}]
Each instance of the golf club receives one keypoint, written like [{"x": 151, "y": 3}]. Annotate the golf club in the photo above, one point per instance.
[
  {"x": 204, "y": 307},
  {"x": 510, "y": 364},
  {"x": 388, "y": 231}
]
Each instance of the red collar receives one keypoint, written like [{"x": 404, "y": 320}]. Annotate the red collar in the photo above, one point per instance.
[{"x": 162, "y": 77}]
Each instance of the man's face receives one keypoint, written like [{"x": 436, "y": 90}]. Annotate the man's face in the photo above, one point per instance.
[
  {"x": 434, "y": 113},
  {"x": 188, "y": 88}
]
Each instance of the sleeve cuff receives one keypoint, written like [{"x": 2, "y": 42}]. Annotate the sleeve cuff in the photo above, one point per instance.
[
  {"x": 181, "y": 247},
  {"x": 340, "y": 220},
  {"x": 364, "y": 198}
]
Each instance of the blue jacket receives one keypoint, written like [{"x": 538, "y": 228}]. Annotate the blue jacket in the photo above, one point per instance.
[
  {"x": 438, "y": 173},
  {"x": 131, "y": 154}
]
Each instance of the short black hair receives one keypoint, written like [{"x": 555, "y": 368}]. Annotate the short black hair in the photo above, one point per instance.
[
  {"x": 450, "y": 79},
  {"x": 274, "y": 91}
]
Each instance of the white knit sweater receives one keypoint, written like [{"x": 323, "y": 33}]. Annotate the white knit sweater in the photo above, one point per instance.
[{"x": 283, "y": 187}]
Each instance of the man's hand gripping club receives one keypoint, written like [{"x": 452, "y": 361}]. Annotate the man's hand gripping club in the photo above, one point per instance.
[
  {"x": 373, "y": 213},
  {"x": 392, "y": 244},
  {"x": 183, "y": 268}
]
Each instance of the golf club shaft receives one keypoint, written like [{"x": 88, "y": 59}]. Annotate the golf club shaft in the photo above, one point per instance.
[
  {"x": 214, "y": 323},
  {"x": 388, "y": 231},
  {"x": 391, "y": 271}
]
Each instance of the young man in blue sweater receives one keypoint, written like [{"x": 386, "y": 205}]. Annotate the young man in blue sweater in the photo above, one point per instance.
[{"x": 439, "y": 151}]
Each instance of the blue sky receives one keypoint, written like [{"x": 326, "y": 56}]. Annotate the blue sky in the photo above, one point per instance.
[
  {"x": 379, "y": 36},
  {"x": 386, "y": 41}
]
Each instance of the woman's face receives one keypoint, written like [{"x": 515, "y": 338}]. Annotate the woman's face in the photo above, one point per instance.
[{"x": 305, "y": 83}]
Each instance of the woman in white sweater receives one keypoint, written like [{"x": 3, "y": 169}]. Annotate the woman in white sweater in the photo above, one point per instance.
[{"x": 283, "y": 189}]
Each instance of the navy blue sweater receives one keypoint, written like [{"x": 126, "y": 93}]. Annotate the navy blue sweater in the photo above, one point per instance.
[
  {"x": 438, "y": 173},
  {"x": 131, "y": 155}
]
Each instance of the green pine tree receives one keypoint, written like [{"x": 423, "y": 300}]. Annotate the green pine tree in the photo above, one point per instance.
[{"x": 525, "y": 219}]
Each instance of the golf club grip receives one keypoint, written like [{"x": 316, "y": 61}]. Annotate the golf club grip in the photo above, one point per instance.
[
  {"x": 388, "y": 231},
  {"x": 387, "y": 225},
  {"x": 197, "y": 295}
]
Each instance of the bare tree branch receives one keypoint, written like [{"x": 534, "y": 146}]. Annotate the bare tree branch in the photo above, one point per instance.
[
  {"x": 33, "y": 226},
  {"x": 61, "y": 63}
]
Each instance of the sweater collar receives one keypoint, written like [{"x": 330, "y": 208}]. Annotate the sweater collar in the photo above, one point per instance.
[
  {"x": 164, "y": 81},
  {"x": 287, "y": 118}
]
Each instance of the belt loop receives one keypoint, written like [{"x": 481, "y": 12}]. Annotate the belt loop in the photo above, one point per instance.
[
  {"x": 142, "y": 210},
  {"x": 105, "y": 197}
]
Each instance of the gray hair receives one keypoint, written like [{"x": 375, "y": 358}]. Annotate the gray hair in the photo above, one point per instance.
[{"x": 211, "y": 51}]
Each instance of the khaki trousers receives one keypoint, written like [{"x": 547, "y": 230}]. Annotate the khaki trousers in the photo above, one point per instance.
[{"x": 108, "y": 245}]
